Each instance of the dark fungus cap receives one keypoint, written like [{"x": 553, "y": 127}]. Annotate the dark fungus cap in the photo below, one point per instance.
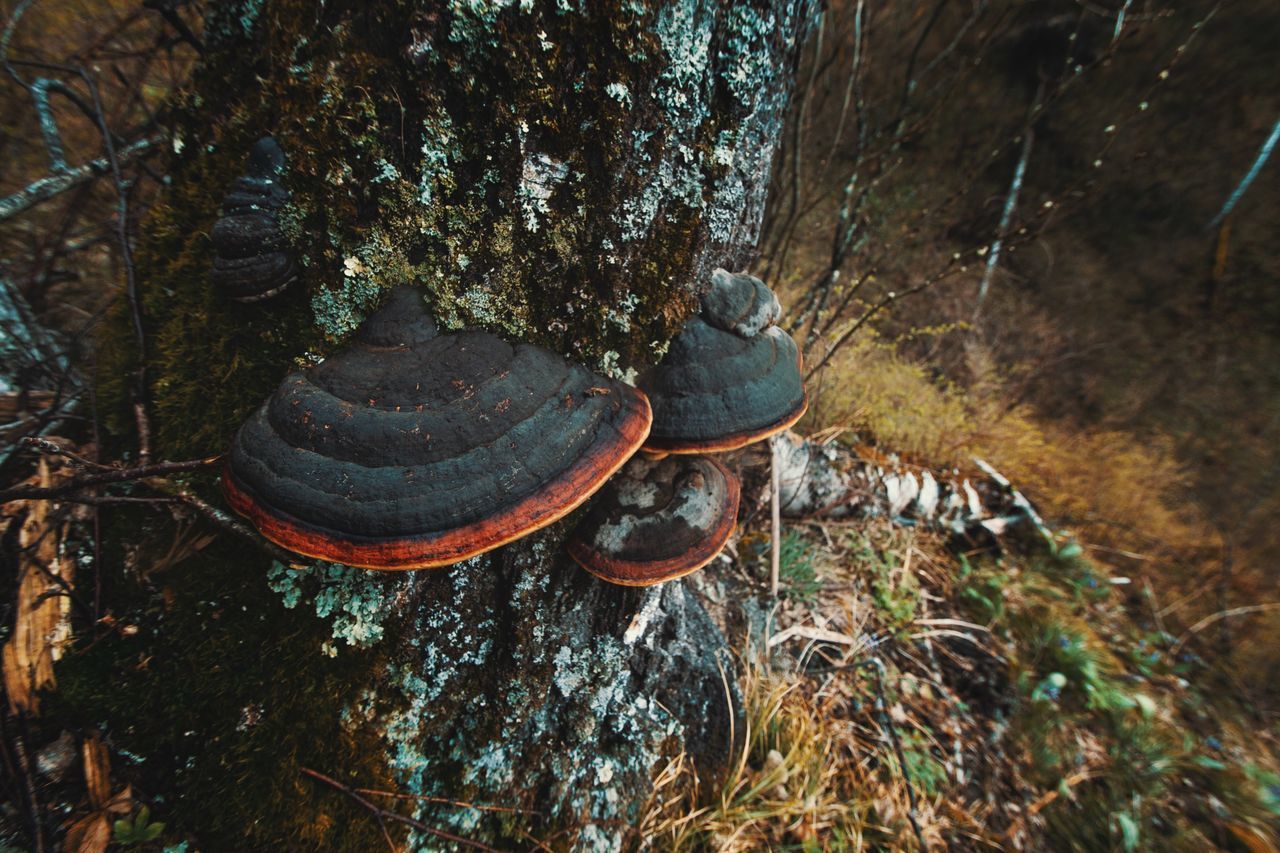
[
  {"x": 251, "y": 260},
  {"x": 658, "y": 520},
  {"x": 412, "y": 449},
  {"x": 730, "y": 378}
]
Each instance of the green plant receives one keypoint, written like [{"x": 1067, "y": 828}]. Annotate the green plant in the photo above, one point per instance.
[
  {"x": 139, "y": 829},
  {"x": 895, "y": 591},
  {"x": 796, "y": 572},
  {"x": 981, "y": 590},
  {"x": 923, "y": 768}
]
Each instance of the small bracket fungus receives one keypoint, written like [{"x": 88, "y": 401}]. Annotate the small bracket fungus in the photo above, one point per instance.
[
  {"x": 658, "y": 520},
  {"x": 413, "y": 449},
  {"x": 251, "y": 259},
  {"x": 740, "y": 303},
  {"x": 730, "y": 378}
]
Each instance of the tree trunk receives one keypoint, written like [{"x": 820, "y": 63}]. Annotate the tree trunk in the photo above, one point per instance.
[{"x": 564, "y": 173}]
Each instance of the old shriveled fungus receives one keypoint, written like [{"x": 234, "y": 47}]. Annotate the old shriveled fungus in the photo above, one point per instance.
[
  {"x": 730, "y": 378},
  {"x": 413, "y": 449},
  {"x": 251, "y": 259},
  {"x": 740, "y": 303},
  {"x": 658, "y": 520}
]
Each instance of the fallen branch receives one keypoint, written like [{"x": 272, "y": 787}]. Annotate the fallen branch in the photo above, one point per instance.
[{"x": 445, "y": 801}]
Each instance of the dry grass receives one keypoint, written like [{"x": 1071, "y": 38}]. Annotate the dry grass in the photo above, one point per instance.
[
  {"x": 818, "y": 768},
  {"x": 1128, "y": 499},
  {"x": 1029, "y": 713}
]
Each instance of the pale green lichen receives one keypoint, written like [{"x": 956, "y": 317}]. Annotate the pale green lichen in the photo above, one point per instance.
[
  {"x": 377, "y": 264},
  {"x": 475, "y": 21},
  {"x": 439, "y": 151},
  {"x": 620, "y": 93},
  {"x": 539, "y": 177},
  {"x": 684, "y": 31},
  {"x": 620, "y": 316},
  {"x": 353, "y": 597},
  {"x": 386, "y": 172},
  {"x": 249, "y": 12},
  {"x": 749, "y": 62},
  {"x": 597, "y": 741}
]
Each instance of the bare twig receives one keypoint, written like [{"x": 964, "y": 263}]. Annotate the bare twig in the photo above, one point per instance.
[
  {"x": 227, "y": 523},
  {"x": 17, "y": 743},
  {"x": 445, "y": 801},
  {"x": 382, "y": 815},
  {"x": 1010, "y": 205},
  {"x": 1215, "y": 617},
  {"x": 885, "y": 301},
  {"x": 130, "y": 271},
  {"x": 44, "y": 445},
  {"x": 56, "y": 184},
  {"x": 775, "y": 515},
  {"x": 169, "y": 11},
  {"x": 120, "y": 475},
  {"x": 1261, "y": 160}
]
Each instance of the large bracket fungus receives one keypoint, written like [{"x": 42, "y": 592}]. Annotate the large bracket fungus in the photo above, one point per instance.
[
  {"x": 412, "y": 449},
  {"x": 730, "y": 378},
  {"x": 252, "y": 261},
  {"x": 658, "y": 520}
]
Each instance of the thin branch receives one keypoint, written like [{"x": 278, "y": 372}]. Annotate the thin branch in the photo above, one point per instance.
[
  {"x": 909, "y": 79},
  {"x": 445, "y": 801},
  {"x": 169, "y": 11},
  {"x": 775, "y": 516},
  {"x": 7, "y": 36},
  {"x": 1215, "y": 617},
  {"x": 131, "y": 273},
  {"x": 226, "y": 522},
  {"x": 120, "y": 475},
  {"x": 1010, "y": 205},
  {"x": 44, "y": 445},
  {"x": 1243, "y": 186},
  {"x": 48, "y": 124},
  {"x": 885, "y": 301},
  {"x": 21, "y": 757},
  {"x": 56, "y": 184},
  {"x": 382, "y": 815}
]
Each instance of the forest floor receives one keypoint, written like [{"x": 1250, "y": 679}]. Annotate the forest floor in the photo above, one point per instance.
[{"x": 914, "y": 687}]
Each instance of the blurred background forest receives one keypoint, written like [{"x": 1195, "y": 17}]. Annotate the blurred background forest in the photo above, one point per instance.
[
  {"x": 1119, "y": 359},
  {"x": 1002, "y": 229}
]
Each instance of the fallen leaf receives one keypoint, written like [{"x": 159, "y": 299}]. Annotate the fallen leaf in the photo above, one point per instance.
[
  {"x": 89, "y": 834},
  {"x": 41, "y": 627}
]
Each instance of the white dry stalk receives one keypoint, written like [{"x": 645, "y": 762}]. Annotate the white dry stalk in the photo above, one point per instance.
[{"x": 775, "y": 515}]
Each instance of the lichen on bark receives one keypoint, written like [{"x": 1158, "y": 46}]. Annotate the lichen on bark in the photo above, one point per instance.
[{"x": 567, "y": 173}]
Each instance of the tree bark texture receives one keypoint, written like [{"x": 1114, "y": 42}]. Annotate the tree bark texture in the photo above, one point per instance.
[{"x": 567, "y": 173}]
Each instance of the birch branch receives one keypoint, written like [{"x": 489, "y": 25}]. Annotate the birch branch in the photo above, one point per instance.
[{"x": 56, "y": 184}]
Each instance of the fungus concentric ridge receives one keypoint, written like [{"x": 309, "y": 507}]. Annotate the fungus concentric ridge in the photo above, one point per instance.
[{"x": 412, "y": 449}]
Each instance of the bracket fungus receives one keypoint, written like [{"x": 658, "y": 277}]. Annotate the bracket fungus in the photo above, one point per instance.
[
  {"x": 251, "y": 260},
  {"x": 658, "y": 520},
  {"x": 412, "y": 449},
  {"x": 740, "y": 303},
  {"x": 730, "y": 378}
]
